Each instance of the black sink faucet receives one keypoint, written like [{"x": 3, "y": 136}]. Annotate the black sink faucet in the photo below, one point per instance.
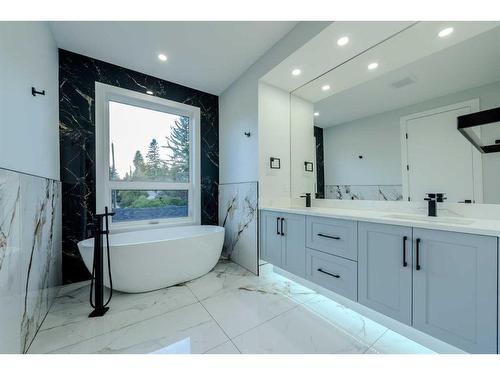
[
  {"x": 308, "y": 199},
  {"x": 432, "y": 198}
]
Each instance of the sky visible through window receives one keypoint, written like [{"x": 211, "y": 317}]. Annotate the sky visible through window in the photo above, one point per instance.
[{"x": 132, "y": 129}]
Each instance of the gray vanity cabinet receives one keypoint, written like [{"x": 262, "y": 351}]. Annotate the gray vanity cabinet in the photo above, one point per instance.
[
  {"x": 294, "y": 244},
  {"x": 283, "y": 241},
  {"x": 385, "y": 269},
  {"x": 455, "y": 288},
  {"x": 271, "y": 237}
]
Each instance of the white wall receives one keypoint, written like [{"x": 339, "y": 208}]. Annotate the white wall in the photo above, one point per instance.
[
  {"x": 274, "y": 141},
  {"x": 29, "y": 129},
  {"x": 377, "y": 138},
  {"x": 303, "y": 148},
  {"x": 238, "y": 108}
]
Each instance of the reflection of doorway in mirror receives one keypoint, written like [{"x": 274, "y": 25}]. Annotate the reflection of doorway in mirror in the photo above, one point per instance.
[{"x": 437, "y": 158}]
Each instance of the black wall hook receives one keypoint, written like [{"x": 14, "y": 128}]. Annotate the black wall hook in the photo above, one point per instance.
[{"x": 34, "y": 92}]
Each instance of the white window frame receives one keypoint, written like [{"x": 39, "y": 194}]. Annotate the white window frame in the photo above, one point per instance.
[{"x": 103, "y": 95}]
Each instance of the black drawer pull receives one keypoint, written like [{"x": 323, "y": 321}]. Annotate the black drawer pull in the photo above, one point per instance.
[
  {"x": 417, "y": 267},
  {"x": 327, "y": 236},
  {"x": 328, "y": 273},
  {"x": 405, "y": 263},
  {"x": 282, "y": 220},
  {"x": 278, "y": 226}
]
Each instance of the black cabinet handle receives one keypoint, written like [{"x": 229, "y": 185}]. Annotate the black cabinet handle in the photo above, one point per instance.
[
  {"x": 282, "y": 220},
  {"x": 417, "y": 267},
  {"x": 328, "y": 273},
  {"x": 405, "y": 264},
  {"x": 278, "y": 226},
  {"x": 327, "y": 236}
]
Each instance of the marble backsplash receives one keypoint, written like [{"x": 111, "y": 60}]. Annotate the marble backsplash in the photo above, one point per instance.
[
  {"x": 238, "y": 214},
  {"x": 30, "y": 255},
  {"x": 365, "y": 192}
]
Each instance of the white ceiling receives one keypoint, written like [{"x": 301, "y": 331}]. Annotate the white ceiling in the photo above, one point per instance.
[
  {"x": 207, "y": 56},
  {"x": 321, "y": 54},
  {"x": 471, "y": 63}
]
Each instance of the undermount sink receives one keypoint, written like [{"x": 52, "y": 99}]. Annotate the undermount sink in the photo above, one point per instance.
[{"x": 438, "y": 219}]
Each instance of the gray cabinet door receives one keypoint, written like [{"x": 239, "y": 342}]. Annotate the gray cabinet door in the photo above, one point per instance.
[
  {"x": 271, "y": 237},
  {"x": 294, "y": 244},
  {"x": 455, "y": 288},
  {"x": 385, "y": 269}
]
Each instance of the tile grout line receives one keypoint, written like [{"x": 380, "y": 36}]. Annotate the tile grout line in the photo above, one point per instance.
[
  {"x": 371, "y": 346},
  {"x": 39, "y": 329},
  {"x": 216, "y": 322}
]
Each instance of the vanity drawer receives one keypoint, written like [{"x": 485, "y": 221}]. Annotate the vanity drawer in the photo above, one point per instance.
[
  {"x": 332, "y": 272},
  {"x": 333, "y": 236}
]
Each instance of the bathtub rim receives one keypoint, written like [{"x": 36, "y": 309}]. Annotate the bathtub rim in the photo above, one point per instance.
[{"x": 89, "y": 242}]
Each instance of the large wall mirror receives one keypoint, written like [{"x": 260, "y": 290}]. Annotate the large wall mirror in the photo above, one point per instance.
[{"x": 383, "y": 125}]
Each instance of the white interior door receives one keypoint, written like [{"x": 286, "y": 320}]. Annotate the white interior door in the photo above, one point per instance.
[{"x": 438, "y": 158}]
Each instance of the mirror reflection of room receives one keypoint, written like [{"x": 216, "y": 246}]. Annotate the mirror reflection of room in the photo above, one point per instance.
[{"x": 384, "y": 124}]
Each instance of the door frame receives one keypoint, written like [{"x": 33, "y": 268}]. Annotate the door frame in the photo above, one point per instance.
[{"x": 477, "y": 163}]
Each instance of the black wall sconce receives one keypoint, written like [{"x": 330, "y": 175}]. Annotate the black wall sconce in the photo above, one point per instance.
[
  {"x": 274, "y": 163},
  {"x": 308, "y": 166},
  {"x": 35, "y": 93}
]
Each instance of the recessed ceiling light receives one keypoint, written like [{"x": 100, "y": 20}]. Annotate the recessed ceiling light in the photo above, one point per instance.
[
  {"x": 373, "y": 65},
  {"x": 445, "y": 32},
  {"x": 162, "y": 57},
  {"x": 342, "y": 41},
  {"x": 316, "y": 114},
  {"x": 149, "y": 92},
  {"x": 325, "y": 87},
  {"x": 296, "y": 72}
]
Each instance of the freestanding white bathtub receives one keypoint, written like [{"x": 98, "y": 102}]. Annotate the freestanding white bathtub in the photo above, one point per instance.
[{"x": 152, "y": 259}]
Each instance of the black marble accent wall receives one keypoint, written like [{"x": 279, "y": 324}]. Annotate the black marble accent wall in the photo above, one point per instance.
[
  {"x": 77, "y": 77},
  {"x": 320, "y": 162}
]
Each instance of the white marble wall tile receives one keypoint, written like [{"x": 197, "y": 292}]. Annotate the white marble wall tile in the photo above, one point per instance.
[
  {"x": 10, "y": 256},
  {"x": 238, "y": 214},
  {"x": 364, "y": 192},
  {"x": 41, "y": 251}
]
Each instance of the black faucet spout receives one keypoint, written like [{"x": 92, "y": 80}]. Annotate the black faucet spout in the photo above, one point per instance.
[
  {"x": 432, "y": 198},
  {"x": 308, "y": 199}
]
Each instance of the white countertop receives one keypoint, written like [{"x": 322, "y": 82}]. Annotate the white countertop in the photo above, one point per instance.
[{"x": 452, "y": 224}]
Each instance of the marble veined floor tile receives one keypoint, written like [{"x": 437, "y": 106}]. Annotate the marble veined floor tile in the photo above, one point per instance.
[
  {"x": 226, "y": 266},
  {"x": 394, "y": 343},
  {"x": 226, "y": 348},
  {"x": 298, "y": 331},
  {"x": 188, "y": 330},
  {"x": 213, "y": 284},
  {"x": 69, "y": 325},
  {"x": 240, "y": 309},
  {"x": 365, "y": 330}
]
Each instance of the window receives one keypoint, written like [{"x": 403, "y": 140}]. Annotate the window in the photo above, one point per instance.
[{"x": 147, "y": 158}]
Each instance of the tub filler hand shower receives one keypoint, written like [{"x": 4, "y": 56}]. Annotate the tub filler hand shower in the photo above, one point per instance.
[{"x": 97, "y": 281}]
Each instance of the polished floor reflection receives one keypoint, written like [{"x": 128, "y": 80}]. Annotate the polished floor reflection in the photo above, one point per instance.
[{"x": 228, "y": 311}]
